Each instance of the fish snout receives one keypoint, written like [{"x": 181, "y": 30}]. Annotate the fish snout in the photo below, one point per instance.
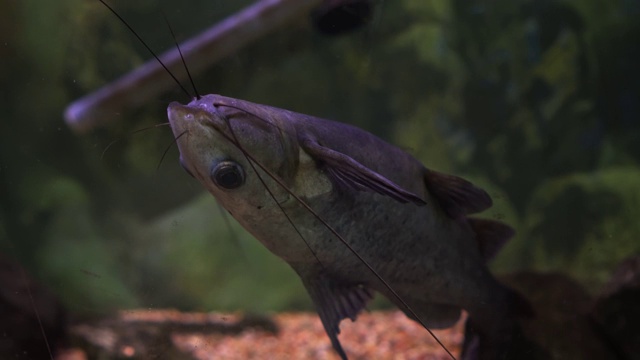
[
  {"x": 186, "y": 116},
  {"x": 176, "y": 114}
]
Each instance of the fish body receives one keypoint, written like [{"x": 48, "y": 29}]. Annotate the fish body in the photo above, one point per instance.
[{"x": 268, "y": 167}]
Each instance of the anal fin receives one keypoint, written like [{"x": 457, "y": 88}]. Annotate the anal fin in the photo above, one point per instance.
[{"x": 335, "y": 300}]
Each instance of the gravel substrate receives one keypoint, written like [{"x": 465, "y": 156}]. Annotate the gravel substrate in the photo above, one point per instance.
[{"x": 377, "y": 335}]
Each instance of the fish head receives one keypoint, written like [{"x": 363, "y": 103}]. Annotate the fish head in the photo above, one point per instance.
[{"x": 235, "y": 149}]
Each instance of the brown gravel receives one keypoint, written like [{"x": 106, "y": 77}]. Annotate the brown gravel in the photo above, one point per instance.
[
  {"x": 377, "y": 335},
  {"x": 564, "y": 327}
]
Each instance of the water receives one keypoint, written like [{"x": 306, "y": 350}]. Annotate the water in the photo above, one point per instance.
[{"x": 535, "y": 102}]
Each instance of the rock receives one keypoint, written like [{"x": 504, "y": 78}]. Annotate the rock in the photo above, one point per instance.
[
  {"x": 617, "y": 310},
  {"x": 561, "y": 324},
  {"x": 33, "y": 322}
]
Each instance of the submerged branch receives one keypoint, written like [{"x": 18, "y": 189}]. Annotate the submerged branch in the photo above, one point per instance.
[{"x": 202, "y": 51}]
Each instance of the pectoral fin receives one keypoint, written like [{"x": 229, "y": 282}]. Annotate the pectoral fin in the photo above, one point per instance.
[
  {"x": 457, "y": 196},
  {"x": 351, "y": 174},
  {"x": 335, "y": 301}
]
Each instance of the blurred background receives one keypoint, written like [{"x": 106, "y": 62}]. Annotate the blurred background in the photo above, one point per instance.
[{"x": 537, "y": 101}]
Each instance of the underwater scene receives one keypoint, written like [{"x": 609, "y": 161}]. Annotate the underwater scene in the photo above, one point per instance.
[{"x": 320, "y": 179}]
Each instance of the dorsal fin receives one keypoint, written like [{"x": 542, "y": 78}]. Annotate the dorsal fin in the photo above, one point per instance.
[
  {"x": 457, "y": 196},
  {"x": 491, "y": 236}
]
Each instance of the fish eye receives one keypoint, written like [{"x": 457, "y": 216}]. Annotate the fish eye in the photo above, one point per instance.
[
  {"x": 227, "y": 174},
  {"x": 186, "y": 168}
]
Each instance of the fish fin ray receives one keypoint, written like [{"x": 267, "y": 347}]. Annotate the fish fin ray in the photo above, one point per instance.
[
  {"x": 491, "y": 236},
  {"x": 457, "y": 196},
  {"x": 335, "y": 301},
  {"x": 347, "y": 172}
]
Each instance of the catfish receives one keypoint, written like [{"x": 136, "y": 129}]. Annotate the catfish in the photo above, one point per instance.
[{"x": 354, "y": 216}]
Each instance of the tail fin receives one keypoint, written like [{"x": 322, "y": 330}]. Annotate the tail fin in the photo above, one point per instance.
[
  {"x": 471, "y": 344},
  {"x": 513, "y": 345},
  {"x": 508, "y": 341}
]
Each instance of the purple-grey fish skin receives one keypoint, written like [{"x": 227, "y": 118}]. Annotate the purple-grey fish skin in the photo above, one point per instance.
[{"x": 408, "y": 222}]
